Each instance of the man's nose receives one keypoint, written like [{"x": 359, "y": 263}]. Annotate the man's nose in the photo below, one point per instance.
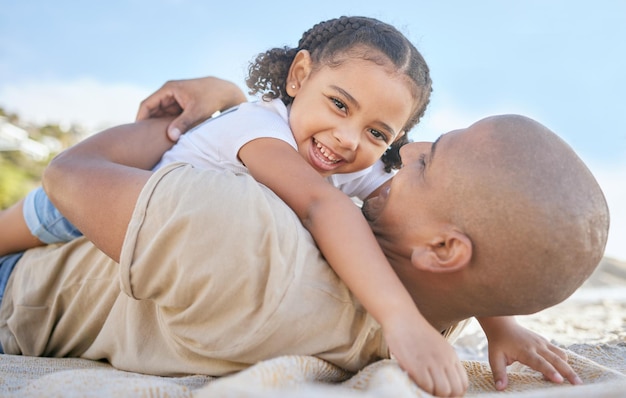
[{"x": 413, "y": 150}]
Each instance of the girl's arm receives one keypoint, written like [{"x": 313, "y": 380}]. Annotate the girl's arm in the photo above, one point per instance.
[
  {"x": 96, "y": 183},
  {"x": 349, "y": 246},
  {"x": 337, "y": 225}
]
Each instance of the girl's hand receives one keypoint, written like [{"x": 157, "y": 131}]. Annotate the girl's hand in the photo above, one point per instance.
[{"x": 428, "y": 358}]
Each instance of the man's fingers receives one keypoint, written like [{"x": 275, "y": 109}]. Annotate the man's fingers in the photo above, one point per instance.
[
  {"x": 177, "y": 127},
  {"x": 183, "y": 123},
  {"x": 151, "y": 105},
  {"x": 144, "y": 111},
  {"x": 163, "y": 102}
]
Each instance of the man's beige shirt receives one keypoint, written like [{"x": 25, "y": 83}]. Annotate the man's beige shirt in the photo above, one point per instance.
[{"x": 216, "y": 274}]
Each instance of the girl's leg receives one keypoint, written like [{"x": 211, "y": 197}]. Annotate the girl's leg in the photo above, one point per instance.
[{"x": 14, "y": 233}]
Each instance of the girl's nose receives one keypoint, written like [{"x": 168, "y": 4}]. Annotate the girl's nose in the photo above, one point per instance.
[{"x": 347, "y": 138}]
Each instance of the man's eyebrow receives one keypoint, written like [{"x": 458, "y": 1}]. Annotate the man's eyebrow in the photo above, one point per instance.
[{"x": 433, "y": 148}]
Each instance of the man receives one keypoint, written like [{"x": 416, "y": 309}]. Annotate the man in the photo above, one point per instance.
[{"x": 215, "y": 273}]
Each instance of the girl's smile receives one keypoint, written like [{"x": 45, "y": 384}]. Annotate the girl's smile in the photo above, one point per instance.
[
  {"x": 323, "y": 156},
  {"x": 345, "y": 117}
]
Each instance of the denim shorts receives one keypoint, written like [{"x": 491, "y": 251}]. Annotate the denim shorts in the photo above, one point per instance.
[
  {"x": 7, "y": 263},
  {"x": 45, "y": 221}
]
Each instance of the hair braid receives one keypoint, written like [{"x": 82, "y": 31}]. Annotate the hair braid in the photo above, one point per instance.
[{"x": 323, "y": 32}]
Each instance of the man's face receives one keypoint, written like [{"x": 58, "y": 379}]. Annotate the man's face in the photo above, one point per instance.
[{"x": 405, "y": 212}]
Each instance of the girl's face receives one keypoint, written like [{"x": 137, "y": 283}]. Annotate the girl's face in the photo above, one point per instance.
[{"x": 344, "y": 118}]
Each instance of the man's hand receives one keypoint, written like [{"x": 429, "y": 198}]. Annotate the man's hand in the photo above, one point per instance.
[
  {"x": 428, "y": 358},
  {"x": 193, "y": 101},
  {"x": 509, "y": 342}
]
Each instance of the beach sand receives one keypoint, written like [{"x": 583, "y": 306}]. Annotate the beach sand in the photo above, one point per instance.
[{"x": 594, "y": 314}]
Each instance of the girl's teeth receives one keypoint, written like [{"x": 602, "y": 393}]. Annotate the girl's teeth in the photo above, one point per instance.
[{"x": 331, "y": 158}]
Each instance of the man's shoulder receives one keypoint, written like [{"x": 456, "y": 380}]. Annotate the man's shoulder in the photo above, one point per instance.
[
  {"x": 219, "y": 212},
  {"x": 213, "y": 193}
]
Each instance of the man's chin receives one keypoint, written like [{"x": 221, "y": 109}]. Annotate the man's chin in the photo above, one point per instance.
[
  {"x": 373, "y": 206},
  {"x": 370, "y": 209}
]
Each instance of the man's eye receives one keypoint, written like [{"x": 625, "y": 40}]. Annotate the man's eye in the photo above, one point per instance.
[
  {"x": 422, "y": 159},
  {"x": 340, "y": 105}
]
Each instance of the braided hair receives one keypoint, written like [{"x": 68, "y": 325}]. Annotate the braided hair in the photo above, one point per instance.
[{"x": 328, "y": 42}]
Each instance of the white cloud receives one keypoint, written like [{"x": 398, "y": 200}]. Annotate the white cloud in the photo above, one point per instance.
[{"x": 86, "y": 102}]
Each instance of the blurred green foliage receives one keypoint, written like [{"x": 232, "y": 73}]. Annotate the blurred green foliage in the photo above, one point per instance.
[
  {"x": 15, "y": 182},
  {"x": 20, "y": 173}
]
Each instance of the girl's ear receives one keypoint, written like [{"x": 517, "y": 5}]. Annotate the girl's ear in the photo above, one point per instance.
[
  {"x": 298, "y": 72},
  {"x": 449, "y": 252}
]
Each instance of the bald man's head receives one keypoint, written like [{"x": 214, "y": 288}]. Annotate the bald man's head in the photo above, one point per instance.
[{"x": 536, "y": 216}]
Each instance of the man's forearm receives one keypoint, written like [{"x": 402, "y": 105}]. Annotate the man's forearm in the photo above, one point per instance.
[{"x": 96, "y": 183}]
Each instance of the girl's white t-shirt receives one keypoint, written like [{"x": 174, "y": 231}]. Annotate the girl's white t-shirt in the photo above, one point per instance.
[{"x": 215, "y": 144}]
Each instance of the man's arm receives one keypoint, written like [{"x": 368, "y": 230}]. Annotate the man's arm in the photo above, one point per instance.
[{"x": 95, "y": 184}]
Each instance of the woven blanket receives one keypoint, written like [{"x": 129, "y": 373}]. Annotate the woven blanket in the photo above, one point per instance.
[
  {"x": 591, "y": 327},
  {"x": 601, "y": 366}
]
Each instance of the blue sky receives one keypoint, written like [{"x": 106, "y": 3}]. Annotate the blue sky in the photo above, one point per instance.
[{"x": 560, "y": 62}]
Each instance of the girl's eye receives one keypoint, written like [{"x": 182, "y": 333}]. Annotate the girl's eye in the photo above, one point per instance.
[
  {"x": 340, "y": 105},
  {"x": 378, "y": 135}
]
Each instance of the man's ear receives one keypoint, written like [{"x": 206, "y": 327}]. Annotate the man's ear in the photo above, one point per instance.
[
  {"x": 449, "y": 252},
  {"x": 298, "y": 72}
]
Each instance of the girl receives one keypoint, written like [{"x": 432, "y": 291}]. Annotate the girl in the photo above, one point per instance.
[{"x": 335, "y": 109}]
